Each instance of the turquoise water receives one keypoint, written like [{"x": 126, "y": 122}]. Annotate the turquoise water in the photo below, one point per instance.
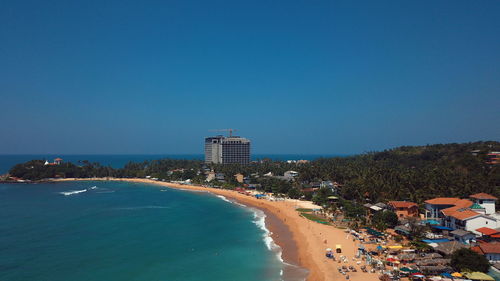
[{"x": 126, "y": 231}]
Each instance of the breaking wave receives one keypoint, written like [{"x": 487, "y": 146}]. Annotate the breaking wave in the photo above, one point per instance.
[{"x": 72, "y": 192}]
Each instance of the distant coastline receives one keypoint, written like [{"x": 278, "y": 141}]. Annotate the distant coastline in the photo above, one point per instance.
[{"x": 119, "y": 160}]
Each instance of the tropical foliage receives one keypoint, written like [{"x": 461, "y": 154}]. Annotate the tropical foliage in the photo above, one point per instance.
[
  {"x": 413, "y": 173},
  {"x": 467, "y": 260}
]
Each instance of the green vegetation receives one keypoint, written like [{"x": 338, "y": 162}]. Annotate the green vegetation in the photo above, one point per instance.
[
  {"x": 304, "y": 210},
  {"x": 384, "y": 220},
  {"x": 467, "y": 260},
  {"x": 413, "y": 173},
  {"x": 314, "y": 218},
  {"x": 164, "y": 169}
]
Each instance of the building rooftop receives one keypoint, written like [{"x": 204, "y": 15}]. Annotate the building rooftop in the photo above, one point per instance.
[
  {"x": 463, "y": 214},
  {"x": 402, "y": 204},
  {"x": 460, "y": 232},
  {"x": 476, "y": 206},
  {"x": 448, "y": 248},
  {"x": 483, "y": 196},
  {"x": 490, "y": 248},
  {"x": 460, "y": 205},
  {"x": 443, "y": 201},
  {"x": 487, "y": 231}
]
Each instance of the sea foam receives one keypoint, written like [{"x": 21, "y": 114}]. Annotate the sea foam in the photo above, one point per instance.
[
  {"x": 260, "y": 221},
  {"x": 300, "y": 274},
  {"x": 72, "y": 192}
]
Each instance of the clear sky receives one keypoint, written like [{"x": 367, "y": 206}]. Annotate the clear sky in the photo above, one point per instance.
[{"x": 293, "y": 76}]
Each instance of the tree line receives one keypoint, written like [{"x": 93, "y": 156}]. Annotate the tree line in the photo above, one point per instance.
[{"x": 413, "y": 173}]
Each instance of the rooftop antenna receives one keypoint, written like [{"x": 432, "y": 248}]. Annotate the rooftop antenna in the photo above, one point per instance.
[{"x": 225, "y": 130}]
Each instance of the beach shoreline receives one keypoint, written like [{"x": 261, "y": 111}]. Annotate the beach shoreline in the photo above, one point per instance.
[{"x": 302, "y": 241}]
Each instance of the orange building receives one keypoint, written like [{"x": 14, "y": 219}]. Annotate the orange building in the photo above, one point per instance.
[{"x": 404, "y": 208}]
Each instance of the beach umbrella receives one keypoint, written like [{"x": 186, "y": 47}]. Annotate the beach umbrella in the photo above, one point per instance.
[
  {"x": 328, "y": 249},
  {"x": 379, "y": 248},
  {"x": 478, "y": 276},
  {"x": 456, "y": 274},
  {"x": 390, "y": 260},
  {"x": 446, "y": 274},
  {"x": 405, "y": 269}
]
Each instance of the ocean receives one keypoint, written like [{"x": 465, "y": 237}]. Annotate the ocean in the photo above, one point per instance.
[
  {"x": 118, "y": 161},
  {"x": 129, "y": 231}
]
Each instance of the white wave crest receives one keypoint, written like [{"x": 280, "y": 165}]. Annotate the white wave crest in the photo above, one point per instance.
[
  {"x": 260, "y": 221},
  {"x": 223, "y": 198},
  {"x": 93, "y": 187},
  {"x": 71, "y": 192},
  {"x": 230, "y": 201}
]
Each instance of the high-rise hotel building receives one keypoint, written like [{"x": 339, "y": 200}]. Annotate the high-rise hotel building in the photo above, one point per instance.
[{"x": 227, "y": 150}]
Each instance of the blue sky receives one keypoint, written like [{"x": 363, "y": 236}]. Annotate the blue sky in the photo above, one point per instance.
[{"x": 293, "y": 76}]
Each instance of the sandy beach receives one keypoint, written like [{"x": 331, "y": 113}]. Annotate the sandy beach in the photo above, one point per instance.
[{"x": 303, "y": 241}]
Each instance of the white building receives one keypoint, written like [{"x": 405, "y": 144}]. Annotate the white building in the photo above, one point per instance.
[
  {"x": 468, "y": 220},
  {"x": 289, "y": 175},
  {"x": 227, "y": 150},
  {"x": 486, "y": 201},
  {"x": 210, "y": 176}
]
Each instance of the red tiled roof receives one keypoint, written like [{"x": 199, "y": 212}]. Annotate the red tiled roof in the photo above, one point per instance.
[
  {"x": 477, "y": 249},
  {"x": 58, "y": 159},
  {"x": 451, "y": 210},
  {"x": 490, "y": 248},
  {"x": 487, "y": 231},
  {"x": 464, "y": 203},
  {"x": 459, "y": 204},
  {"x": 462, "y": 215},
  {"x": 483, "y": 195},
  {"x": 443, "y": 201},
  {"x": 402, "y": 204}
]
